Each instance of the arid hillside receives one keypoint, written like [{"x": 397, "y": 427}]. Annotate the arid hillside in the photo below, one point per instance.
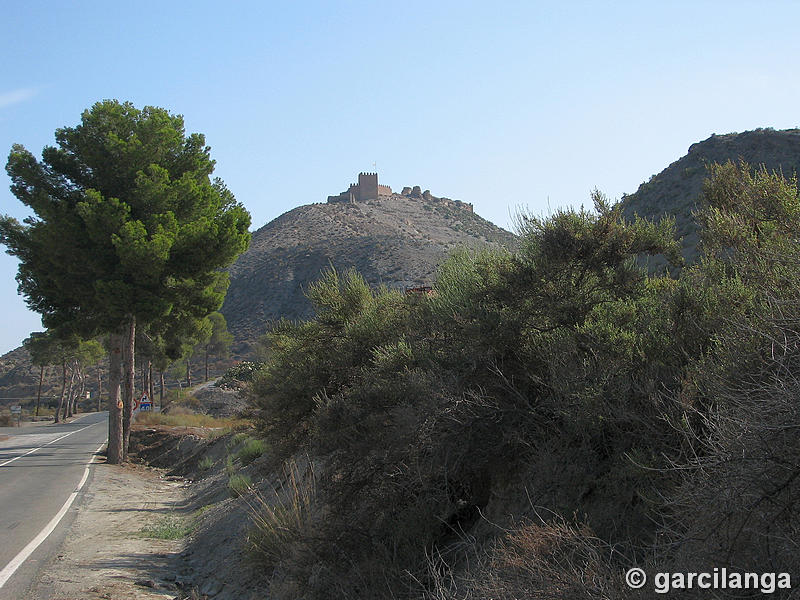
[
  {"x": 674, "y": 191},
  {"x": 397, "y": 240}
]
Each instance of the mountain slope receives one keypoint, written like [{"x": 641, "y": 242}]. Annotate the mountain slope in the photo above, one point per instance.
[
  {"x": 675, "y": 190},
  {"x": 397, "y": 240}
]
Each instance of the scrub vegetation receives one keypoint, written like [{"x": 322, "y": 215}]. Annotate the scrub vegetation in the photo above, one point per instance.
[{"x": 549, "y": 417}]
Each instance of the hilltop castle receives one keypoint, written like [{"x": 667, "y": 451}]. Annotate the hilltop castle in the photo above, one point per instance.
[{"x": 367, "y": 188}]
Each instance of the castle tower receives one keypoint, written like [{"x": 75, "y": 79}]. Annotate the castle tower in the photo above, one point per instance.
[{"x": 367, "y": 186}]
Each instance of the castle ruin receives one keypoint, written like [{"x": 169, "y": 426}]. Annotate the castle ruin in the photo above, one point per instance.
[{"x": 367, "y": 188}]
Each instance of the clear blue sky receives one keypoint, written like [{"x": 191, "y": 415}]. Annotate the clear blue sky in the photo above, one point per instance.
[{"x": 502, "y": 104}]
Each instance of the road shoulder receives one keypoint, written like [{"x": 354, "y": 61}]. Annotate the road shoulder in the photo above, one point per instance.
[{"x": 105, "y": 555}]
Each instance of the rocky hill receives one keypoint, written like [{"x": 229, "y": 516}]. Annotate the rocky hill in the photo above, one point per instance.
[
  {"x": 19, "y": 379},
  {"x": 396, "y": 240},
  {"x": 19, "y": 383},
  {"x": 675, "y": 190}
]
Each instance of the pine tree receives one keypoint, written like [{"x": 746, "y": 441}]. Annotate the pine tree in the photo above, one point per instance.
[{"x": 129, "y": 230}]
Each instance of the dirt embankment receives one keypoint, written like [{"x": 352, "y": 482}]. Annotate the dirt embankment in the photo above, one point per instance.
[
  {"x": 165, "y": 526},
  {"x": 215, "y": 552}
]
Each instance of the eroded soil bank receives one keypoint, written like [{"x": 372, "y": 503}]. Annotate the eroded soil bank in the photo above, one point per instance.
[{"x": 162, "y": 527}]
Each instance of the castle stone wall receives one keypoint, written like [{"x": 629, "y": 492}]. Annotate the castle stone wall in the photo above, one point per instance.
[{"x": 367, "y": 188}]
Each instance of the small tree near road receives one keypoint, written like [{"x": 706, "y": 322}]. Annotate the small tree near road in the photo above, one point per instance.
[{"x": 218, "y": 343}]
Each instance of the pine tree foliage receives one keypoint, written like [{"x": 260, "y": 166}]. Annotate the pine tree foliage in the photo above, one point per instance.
[{"x": 126, "y": 220}]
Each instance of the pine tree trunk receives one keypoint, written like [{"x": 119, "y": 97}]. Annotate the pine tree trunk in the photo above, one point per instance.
[
  {"x": 68, "y": 405},
  {"x": 129, "y": 375},
  {"x": 39, "y": 394},
  {"x": 63, "y": 390},
  {"x": 151, "y": 386},
  {"x": 114, "y": 454},
  {"x": 161, "y": 390},
  {"x": 188, "y": 373},
  {"x": 82, "y": 390},
  {"x": 146, "y": 381},
  {"x": 99, "y": 389},
  {"x": 206, "y": 363}
]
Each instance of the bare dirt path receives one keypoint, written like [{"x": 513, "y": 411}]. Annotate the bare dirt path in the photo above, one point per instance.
[{"x": 105, "y": 555}]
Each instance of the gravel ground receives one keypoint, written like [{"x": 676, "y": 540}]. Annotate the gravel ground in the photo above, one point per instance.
[{"x": 105, "y": 555}]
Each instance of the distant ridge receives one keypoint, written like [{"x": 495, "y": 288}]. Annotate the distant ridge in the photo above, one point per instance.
[
  {"x": 675, "y": 190},
  {"x": 392, "y": 239}
]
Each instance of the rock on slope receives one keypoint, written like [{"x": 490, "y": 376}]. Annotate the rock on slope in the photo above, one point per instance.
[
  {"x": 396, "y": 240},
  {"x": 675, "y": 190}
]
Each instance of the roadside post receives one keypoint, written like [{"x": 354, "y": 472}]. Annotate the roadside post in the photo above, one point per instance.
[{"x": 17, "y": 410}]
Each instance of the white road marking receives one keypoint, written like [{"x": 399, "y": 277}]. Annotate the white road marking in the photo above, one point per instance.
[
  {"x": 23, "y": 555},
  {"x": 43, "y": 445}
]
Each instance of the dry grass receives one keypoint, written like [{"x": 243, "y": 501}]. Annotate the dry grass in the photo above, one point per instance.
[
  {"x": 284, "y": 517},
  {"x": 185, "y": 418},
  {"x": 169, "y": 527},
  {"x": 553, "y": 560},
  {"x": 537, "y": 561}
]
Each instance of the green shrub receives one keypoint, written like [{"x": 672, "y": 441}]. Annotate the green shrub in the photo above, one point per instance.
[
  {"x": 314, "y": 359},
  {"x": 239, "y": 484},
  {"x": 422, "y": 409},
  {"x": 205, "y": 463},
  {"x": 243, "y": 372},
  {"x": 170, "y": 527},
  {"x": 250, "y": 451},
  {"x": 238, "y": 439}
]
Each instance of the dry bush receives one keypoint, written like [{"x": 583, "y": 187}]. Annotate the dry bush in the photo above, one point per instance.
[
  {"x": 535, "y": 561},
  {"x": 401, "y": 477},
  {"x": 737, "y": 506}
]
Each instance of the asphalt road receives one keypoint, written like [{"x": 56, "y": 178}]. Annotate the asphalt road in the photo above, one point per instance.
[{"x": 41, "y": 466}]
